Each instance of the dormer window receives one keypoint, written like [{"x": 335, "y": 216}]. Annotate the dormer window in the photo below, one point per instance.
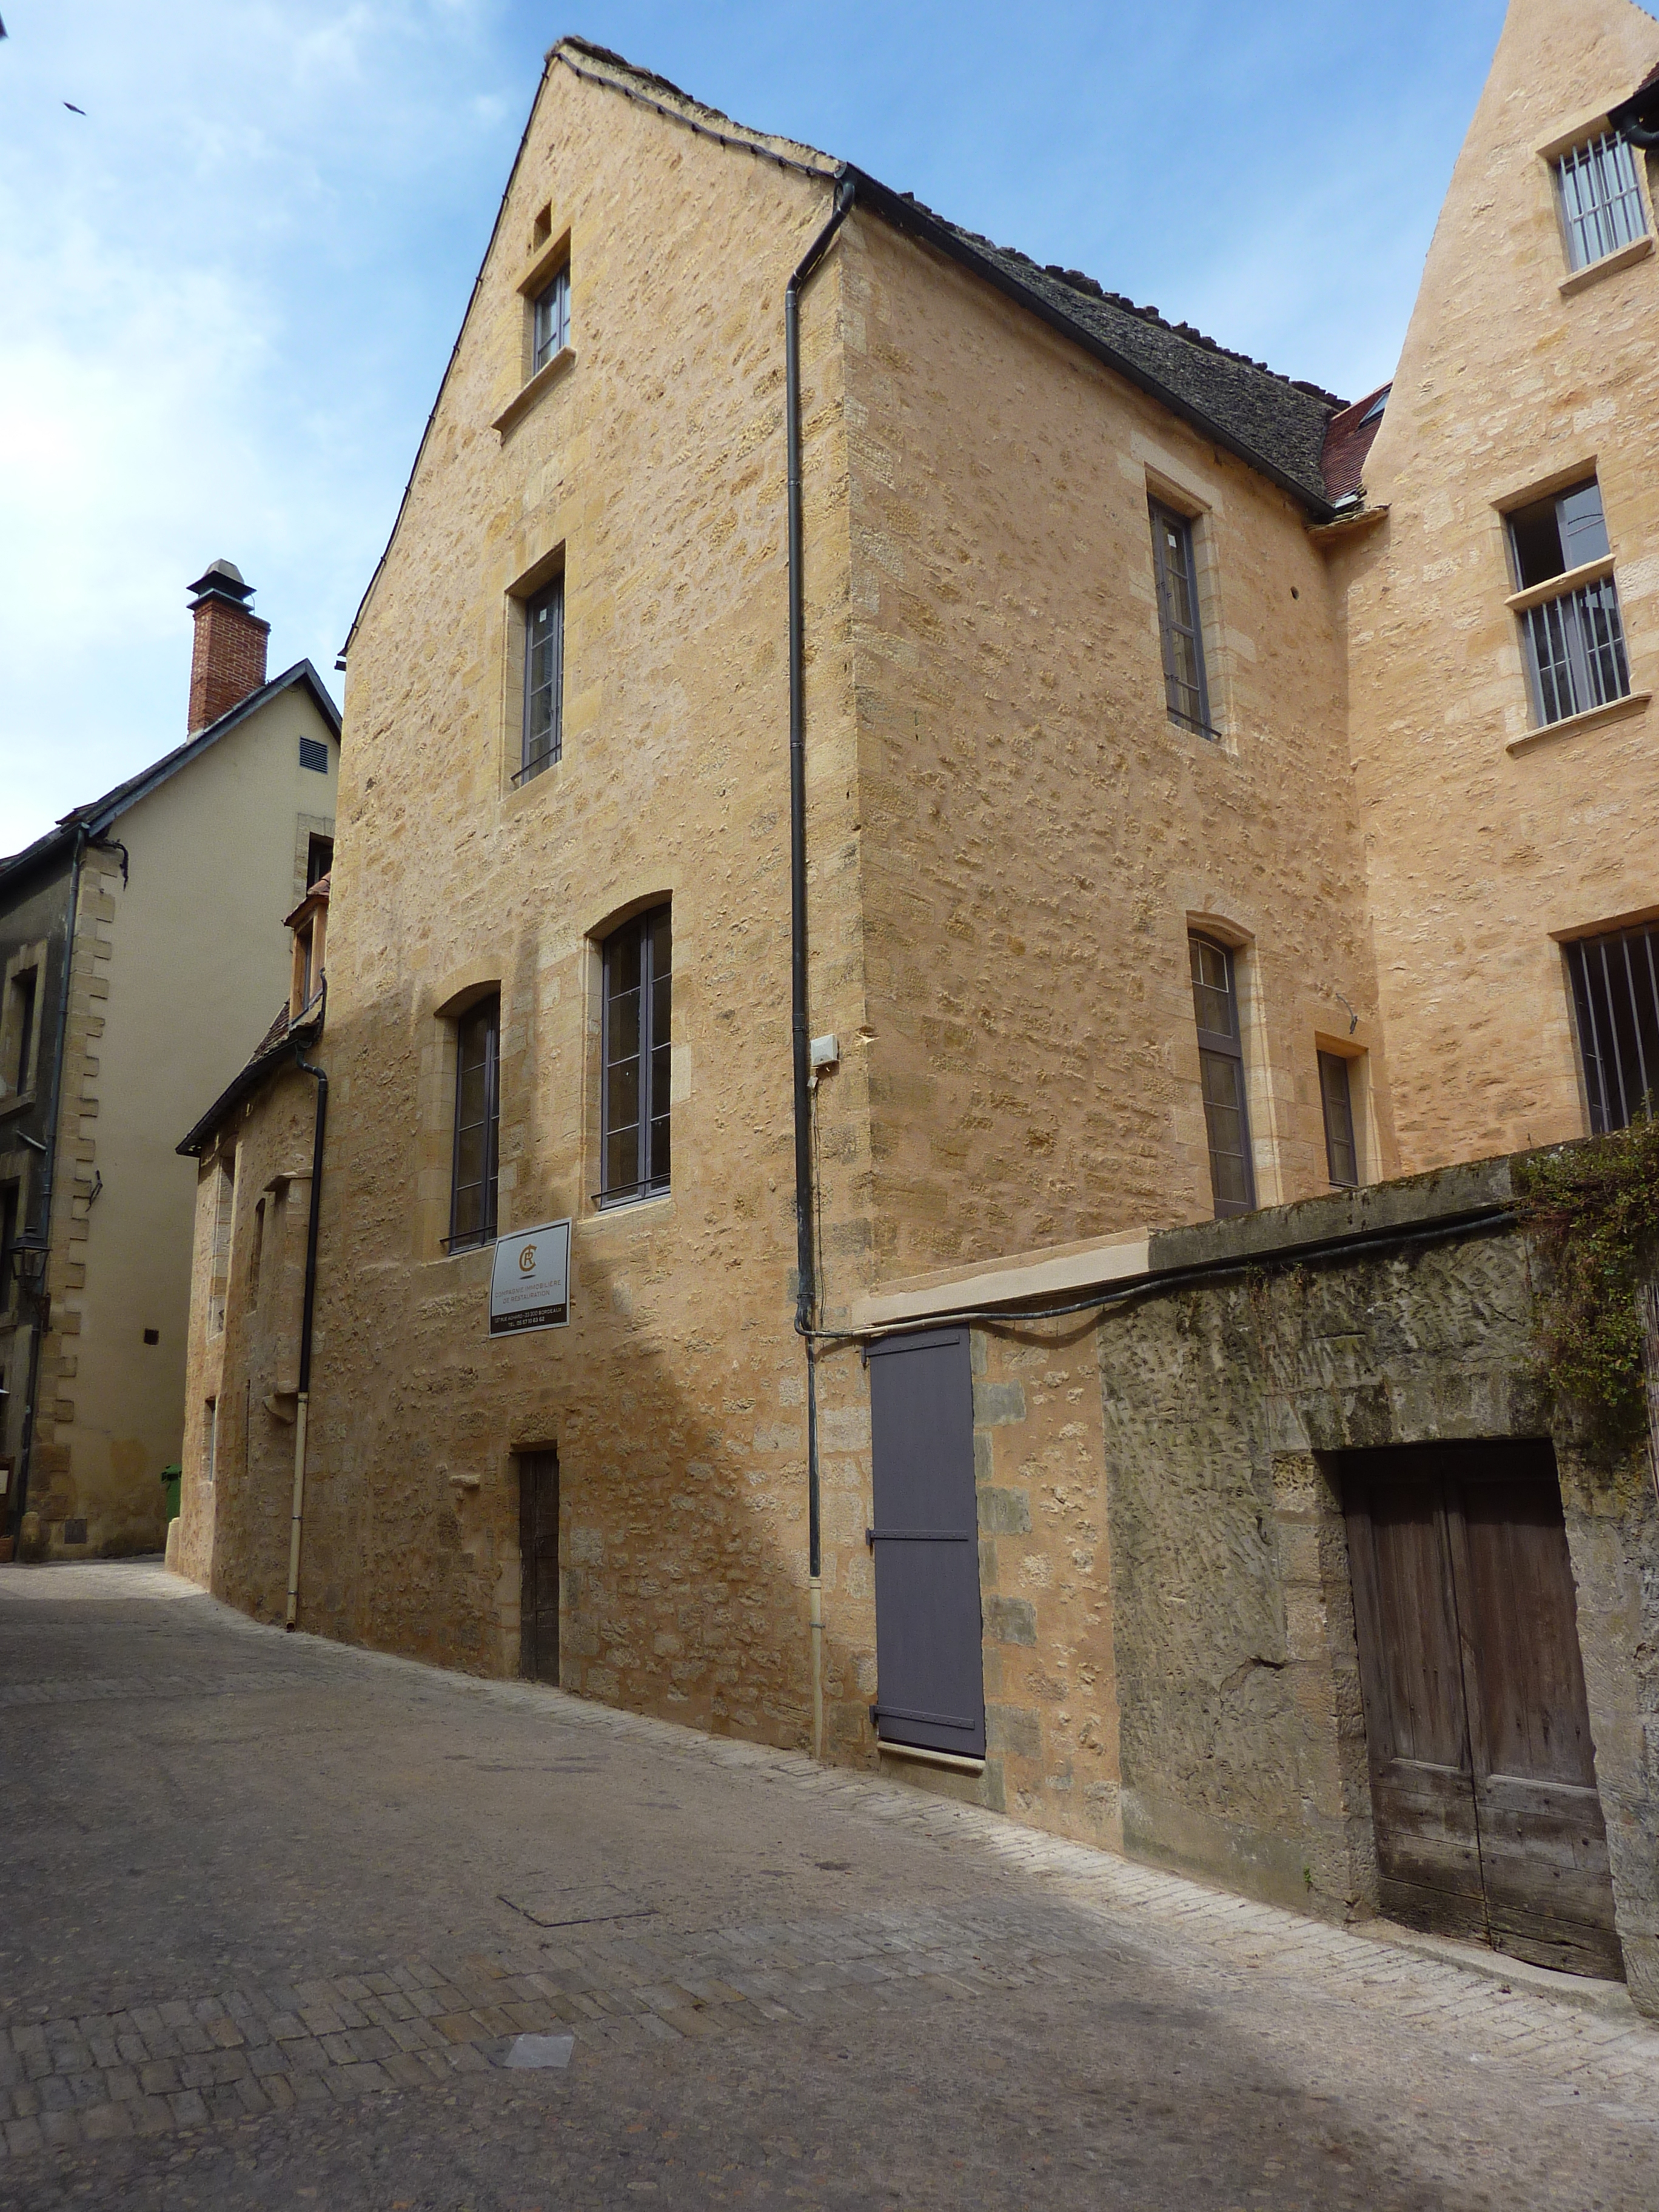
[
  {"x": 308, "y": 922},
  {"x": 1602, "y": 208},
  {"x": 552, "y": 332}
]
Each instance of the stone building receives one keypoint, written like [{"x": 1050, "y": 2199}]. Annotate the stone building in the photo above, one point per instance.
[
  {"x": 131, "y": 938},
  {"x": 882, "y": 823}
]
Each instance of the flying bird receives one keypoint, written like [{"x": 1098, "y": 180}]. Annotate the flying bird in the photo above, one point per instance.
[{"x": 73, "y": 109}]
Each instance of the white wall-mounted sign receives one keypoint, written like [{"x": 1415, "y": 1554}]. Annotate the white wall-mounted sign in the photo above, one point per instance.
[{"x": 530, "y": 1282}]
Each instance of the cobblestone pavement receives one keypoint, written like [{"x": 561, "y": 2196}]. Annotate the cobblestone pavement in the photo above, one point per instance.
[{"x": 275, "y": 1911}]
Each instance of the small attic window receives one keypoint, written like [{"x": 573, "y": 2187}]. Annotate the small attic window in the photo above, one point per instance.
[
  {"x": 542, "y": 229},
  {"x": 1374, "y": 412},
  {"x": 313, "y": 753}
]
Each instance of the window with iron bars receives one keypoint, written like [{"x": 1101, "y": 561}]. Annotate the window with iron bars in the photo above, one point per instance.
[
  {"x": 1615, "y": 999},
  {"x": 1601, "y": 207},
  {"x": 1575, "y": 639}
]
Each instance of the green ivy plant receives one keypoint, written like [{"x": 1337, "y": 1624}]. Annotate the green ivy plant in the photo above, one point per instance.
[{"x": 1592, "y": 1213}]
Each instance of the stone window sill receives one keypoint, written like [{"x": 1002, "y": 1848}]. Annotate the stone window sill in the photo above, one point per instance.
[
  {"x": 1614, "y": 711},
  {"x": 1558, "y": 587},
  {"x": 1608, "y": 266},
  {"x": 950, "y": 1760},
  {"x": 526, "y": 397}
]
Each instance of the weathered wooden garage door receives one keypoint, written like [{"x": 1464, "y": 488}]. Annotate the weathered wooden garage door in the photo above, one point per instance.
[
  {"x": 931, "y": 1689},
  {"x": 538, "y": 1561},
  {"x": 1483, "y": 1777}
]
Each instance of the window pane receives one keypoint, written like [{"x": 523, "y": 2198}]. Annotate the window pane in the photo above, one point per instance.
[
  {"x": 1342, "y": 1154},
  {"x": 543, "y": 677},
  {"x": 1179, "y": 628},
  {"x": 1212, "y": 990},
  {"x": 622, "y": 1159},
  {"x": 1583, "y": 526},
  {"x": 639, "y": 998},
  {"x": 621, "y": 1103},
  {"x": 622, "y": 1026},
  {"x": 1225, "y": 1123},
  {"x": 473, "y": 1169},
  {"x": 1615, "y": 990}
]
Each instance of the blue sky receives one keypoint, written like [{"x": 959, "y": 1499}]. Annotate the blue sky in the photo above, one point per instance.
[{"x": 227, "y": 292}]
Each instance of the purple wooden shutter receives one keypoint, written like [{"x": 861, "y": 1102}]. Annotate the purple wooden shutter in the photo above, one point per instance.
[{"x": 925, "y": 1541}]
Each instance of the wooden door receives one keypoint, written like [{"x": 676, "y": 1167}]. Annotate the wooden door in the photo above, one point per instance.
[
  {"x": 1483, "y": 1780},
  {"x": 929, "y": 1662},
  {"x": 538, "y": 1557}
]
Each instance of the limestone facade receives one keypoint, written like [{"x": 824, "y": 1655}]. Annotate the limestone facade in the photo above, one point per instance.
[
  {"x": 1010, "y": 837},
  {"x": 1493, "y": 842}
]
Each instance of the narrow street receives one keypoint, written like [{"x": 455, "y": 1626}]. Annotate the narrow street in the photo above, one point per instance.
[{"x": 277, "y": 1912}]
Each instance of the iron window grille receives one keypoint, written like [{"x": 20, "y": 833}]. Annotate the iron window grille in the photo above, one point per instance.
[
  {"x": 478, "y": 1128},
  {"x": 634, "y": 1116},
  {"x": 551, "y": 322},
  {"x": 1575, "y": 641},
  {"x": 1221, "y": 1073},
  {"x": 1615, "y": 997},
  {"x": 1181, "y": 633},
  {"x": 1336, "y": 1098},
  {"x": 542, "y": 740},
  {"x": 1601, "y": 205}
]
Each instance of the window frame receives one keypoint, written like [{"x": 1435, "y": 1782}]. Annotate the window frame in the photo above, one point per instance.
[
  {"x": 553, "y": 298},
  {"x": 1594, "y": 154},
  {"x": 1601, "y": 1062},
  {"x": 1218, "y": 1047},
  {"x": 1572, "y": 639},
  {"x": 532, "y": 764},
  {"x": 19, "y": 1025},
  {"x": 485, "y": 1008},
  {"x": 1329, "y": 1061},
  {"x": 1163, "y": 517},
  {"x": 654, "y": 1057}
]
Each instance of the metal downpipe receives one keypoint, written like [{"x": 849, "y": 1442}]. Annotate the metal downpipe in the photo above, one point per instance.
[
  {"x": 805, "y": 1286},
  {"x": 302, "y": 1409}
]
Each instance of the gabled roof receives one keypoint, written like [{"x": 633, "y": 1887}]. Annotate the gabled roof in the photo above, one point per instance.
[
  {"x": 98, "y": 818},
  {"x": 1274, "y": 422}
]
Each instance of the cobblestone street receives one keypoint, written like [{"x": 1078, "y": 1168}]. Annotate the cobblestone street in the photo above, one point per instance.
[{"x": 277, "y": 1911}]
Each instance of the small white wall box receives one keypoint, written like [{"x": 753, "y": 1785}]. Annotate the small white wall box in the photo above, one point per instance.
[{"x": 824, "y": 1052}]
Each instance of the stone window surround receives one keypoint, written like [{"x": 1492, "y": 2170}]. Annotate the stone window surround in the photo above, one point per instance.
[
  {"x": 460, "y": 992},
  {"x": 1591, "y": 124},
  {"x": 1255, "y": 1050},
  {"x": 533, "y": 382},
  {"x": 548, "y": 568},
  {"x": 1359, "y": 1099},
  {"x": 27, "y": 957},
  {"x": 1183, "y": 498},
  {"x": 306, "y": 827},
  {"x": 587, "y": 1210},
  {"x": 1559, "y": 479},
  {"x": 17, "y": 1166}
]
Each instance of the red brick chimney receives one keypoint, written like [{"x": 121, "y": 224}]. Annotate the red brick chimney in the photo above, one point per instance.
[{"x": 229, "y": 657}]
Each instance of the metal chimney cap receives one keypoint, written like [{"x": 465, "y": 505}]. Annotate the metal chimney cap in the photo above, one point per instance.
[{"x": 223, "y": 579}]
